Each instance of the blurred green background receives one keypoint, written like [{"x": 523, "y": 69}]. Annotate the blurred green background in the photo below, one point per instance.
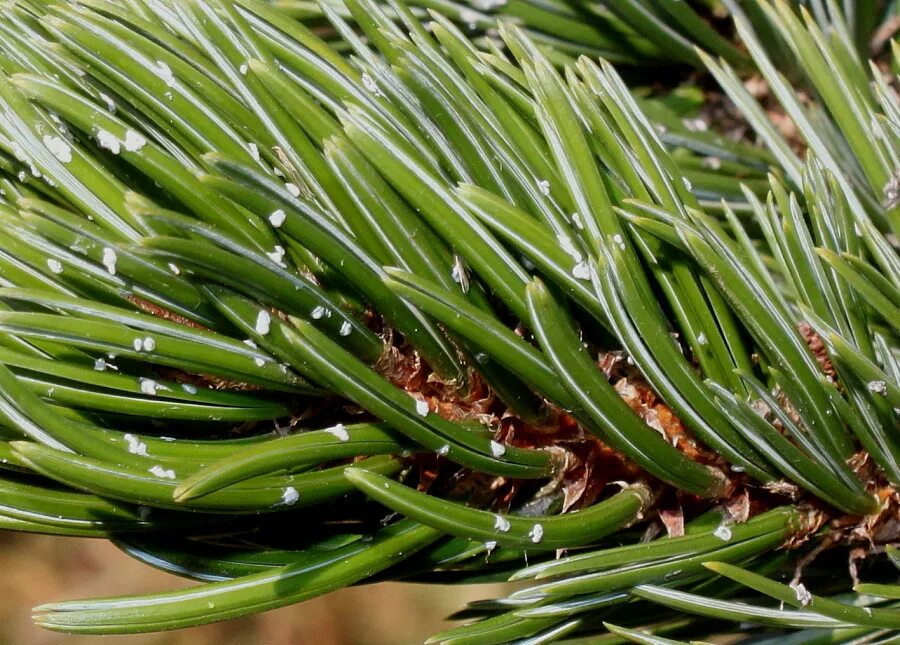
[{"x": 35, "y": 569}]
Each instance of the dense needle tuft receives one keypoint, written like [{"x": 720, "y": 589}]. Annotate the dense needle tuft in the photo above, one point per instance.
[{"x": 296, "y": 295}]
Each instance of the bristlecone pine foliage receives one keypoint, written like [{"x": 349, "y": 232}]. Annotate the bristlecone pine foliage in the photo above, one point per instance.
[{"x": 297, "y": 296}]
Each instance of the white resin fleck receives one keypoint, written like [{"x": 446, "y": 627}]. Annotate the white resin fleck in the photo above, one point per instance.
[
  {"x": 723, "y": 533},
  {"x": 135, "y": 445},
  {"x": 148, "y": 386},
  {"x": 582, "y": 271},
  {"x": 569, "y": 247},
  {"x": 134, "y": 141},
  {"x": 58, "y": 148},
  {"x": 109, "y": 141},
  {"x": 277, "y": 218},
  {"x": 109, "y": 260},
  {"x": 804, "y": 597},
  {"x": 162, "y": 473},
  {"x": 695, "y": 125},
  {"x": 339, "y": 431},
  {"x": 263, "y": 323},
  {"x": 290, "y": 496},
  {"x": 277, "y": 256}
]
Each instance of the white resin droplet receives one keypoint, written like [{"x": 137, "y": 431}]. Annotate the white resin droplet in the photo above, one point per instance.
[
  {"x": 263, "y": 322},
  {"x": 582, "y": 271},
  {"x": 802, "y": 593},
  {"x": 723, "y": 533},
  {"x": 277, "y": 256},
  {"x": 109, "y": 141},
  {"x": 148, "y": 386},
  {"x": 569, "y": 247},
  {"x": 695, "y": 125},
  {"x": 58, "y": 148},
  {"x": 290, "y": 496},
  {"x": 134, "y": 141},
  {"x": 109, "y": 260},
  {"x": 339, "y": 431},
  {"x": 162, "y": 473},
  {"x": 135, "y": 445}
]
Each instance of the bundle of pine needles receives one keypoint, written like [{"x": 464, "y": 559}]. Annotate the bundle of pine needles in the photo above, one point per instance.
[{"x": 299, "y": 295}]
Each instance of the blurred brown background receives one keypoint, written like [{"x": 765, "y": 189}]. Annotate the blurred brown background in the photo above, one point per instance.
[{"x": 35, "y": 569}]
